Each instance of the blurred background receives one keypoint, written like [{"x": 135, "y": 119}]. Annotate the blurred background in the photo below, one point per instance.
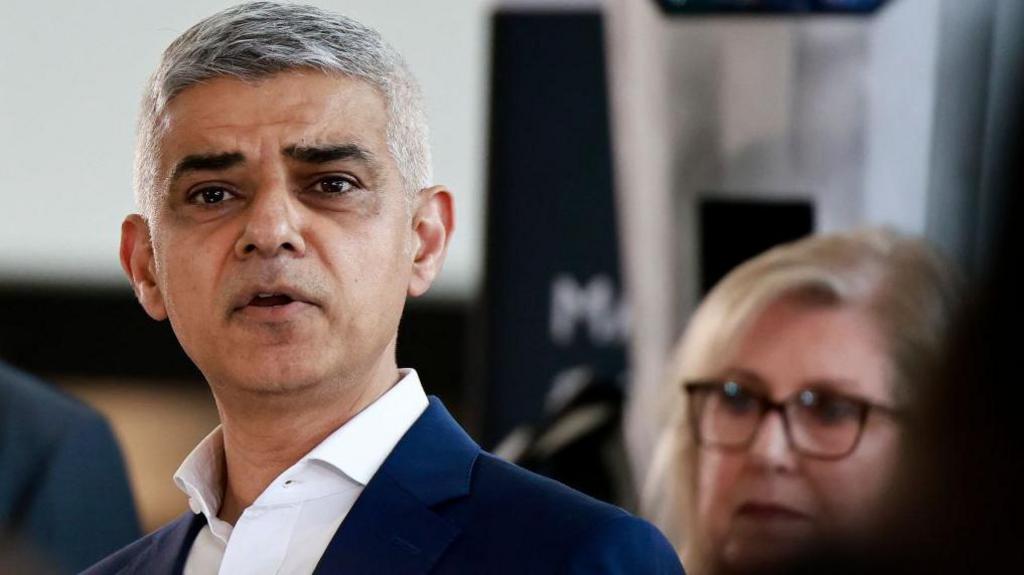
[{"x": 610, "y": 161}]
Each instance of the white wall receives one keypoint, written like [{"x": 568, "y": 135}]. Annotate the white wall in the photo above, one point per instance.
[
  {"x": 71, "y": 74},
  {"x": 901, "y": 88}
]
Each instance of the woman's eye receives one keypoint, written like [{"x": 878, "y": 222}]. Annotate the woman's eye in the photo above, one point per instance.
[
  {"x": 736, "y": 398},
  {"x": 334, "y": 185},
  {"x": 827, "y": 408}
]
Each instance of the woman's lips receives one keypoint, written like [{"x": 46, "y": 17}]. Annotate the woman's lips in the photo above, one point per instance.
[{"x": 770, "y": 512}]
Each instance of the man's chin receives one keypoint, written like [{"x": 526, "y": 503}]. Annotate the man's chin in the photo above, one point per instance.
[
  {"x": 277, "y": 387},
  {"x": 277, "y": 337},
  {"x": 269, "y": 378}
]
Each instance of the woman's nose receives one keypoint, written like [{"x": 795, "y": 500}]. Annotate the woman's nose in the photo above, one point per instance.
[{"x": 771, "y": 446}]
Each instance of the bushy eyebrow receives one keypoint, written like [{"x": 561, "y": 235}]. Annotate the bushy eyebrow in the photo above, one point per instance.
[
  {"x": 206, "y": 162},
  {"x": 329, "y": 153},
  {"x": 304, "y": 154}
]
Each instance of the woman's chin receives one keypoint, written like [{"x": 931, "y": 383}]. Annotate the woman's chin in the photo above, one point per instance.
[{"x": 767, "y": 549}]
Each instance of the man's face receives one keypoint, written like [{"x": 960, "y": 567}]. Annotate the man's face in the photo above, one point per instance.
[{"x": 283, "y": 244}]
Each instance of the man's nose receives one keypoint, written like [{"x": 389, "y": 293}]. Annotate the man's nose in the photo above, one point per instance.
[
  {"x": 771, "y": 447},
  {"x": 273, "y": 225}
]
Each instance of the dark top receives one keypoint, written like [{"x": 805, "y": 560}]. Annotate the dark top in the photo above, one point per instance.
[{"x": 63, "y": 487}]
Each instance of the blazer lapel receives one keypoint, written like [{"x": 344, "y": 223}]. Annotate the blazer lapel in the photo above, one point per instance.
[
  {"x": 393, "y": 528},
  {"x": 169, "y": 550}
]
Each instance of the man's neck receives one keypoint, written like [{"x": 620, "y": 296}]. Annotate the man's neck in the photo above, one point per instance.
[{"x": 265, "y": 436}]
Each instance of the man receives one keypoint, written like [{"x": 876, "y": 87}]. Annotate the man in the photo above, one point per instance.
[{"x": 283, "y": 176}]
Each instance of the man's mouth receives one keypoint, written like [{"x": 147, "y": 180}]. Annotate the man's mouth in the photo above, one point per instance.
[
  {"x": 273, "y": 303},
  {"x": 270, "y": 300}
]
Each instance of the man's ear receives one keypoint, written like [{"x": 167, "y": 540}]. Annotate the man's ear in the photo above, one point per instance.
[
  {"x": 139, "y": 265},
  {"x": 432, "y": 226}
]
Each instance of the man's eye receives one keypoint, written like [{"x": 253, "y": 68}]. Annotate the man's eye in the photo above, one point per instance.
[
  {"x": 211, "y": 195},
  {"x": 333, "y": 185}
]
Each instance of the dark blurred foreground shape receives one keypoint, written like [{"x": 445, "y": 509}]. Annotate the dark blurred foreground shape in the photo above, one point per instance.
[
  {"x": 64, "y": 495},
  {"x": 959, "y": 509}
]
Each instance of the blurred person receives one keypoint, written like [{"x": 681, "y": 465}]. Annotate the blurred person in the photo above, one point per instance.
[
  {"x": 65, "y": 501},
  {"x": 791, "y": 390},
  {"x": 287, "y": 212}
]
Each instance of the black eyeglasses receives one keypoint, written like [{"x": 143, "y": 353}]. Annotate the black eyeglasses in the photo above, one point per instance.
[{"x": 819, "y": 423}]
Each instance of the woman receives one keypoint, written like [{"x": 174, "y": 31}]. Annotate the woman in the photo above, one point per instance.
[{"x": 788, "y": 393}]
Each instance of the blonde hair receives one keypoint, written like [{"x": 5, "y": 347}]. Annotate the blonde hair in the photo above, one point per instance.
[{"x": 903, "y": 285}]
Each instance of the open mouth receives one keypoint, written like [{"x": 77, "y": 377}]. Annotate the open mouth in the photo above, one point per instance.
[
  {"x": 270, "y": 300},
  {"x": 273, "y": 303}
]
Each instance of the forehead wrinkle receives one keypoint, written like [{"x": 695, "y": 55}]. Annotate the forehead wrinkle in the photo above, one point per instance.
[{"x": 206, "y": 117}]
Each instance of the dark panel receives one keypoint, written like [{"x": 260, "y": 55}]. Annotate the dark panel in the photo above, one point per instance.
[
  {"x": 87, "y": 332},
  {"x": 552, "y": 280},
  {"x": 733, "y": 231},
  {"x": 432, "y": 339}
]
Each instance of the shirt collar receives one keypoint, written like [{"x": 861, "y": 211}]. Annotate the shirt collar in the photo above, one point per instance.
[
  {"x": 356, "y": 449},
  {"x": 359, "y": 447},
  {"x": 201, "y": 475}
]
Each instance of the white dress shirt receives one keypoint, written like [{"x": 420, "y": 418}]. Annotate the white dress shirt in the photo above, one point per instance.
[{"x": 290, "y": 524}]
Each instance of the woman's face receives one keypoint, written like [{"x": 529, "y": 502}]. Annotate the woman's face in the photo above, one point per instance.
[{"x": 761, "y": 504}]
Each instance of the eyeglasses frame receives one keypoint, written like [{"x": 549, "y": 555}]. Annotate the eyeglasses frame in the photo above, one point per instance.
[{"x": 766, "y": 405}]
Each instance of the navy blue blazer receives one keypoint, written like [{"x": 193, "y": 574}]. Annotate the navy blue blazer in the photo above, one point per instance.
[{"x": 439, "y": 504}]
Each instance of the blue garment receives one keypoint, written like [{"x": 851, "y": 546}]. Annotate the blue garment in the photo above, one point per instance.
[
  {"x": 439, "y": 504},
  {"x": 63, "y": 487}
]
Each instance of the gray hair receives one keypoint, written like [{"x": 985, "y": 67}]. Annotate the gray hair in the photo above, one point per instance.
[{"x": 256, "y": 40}]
